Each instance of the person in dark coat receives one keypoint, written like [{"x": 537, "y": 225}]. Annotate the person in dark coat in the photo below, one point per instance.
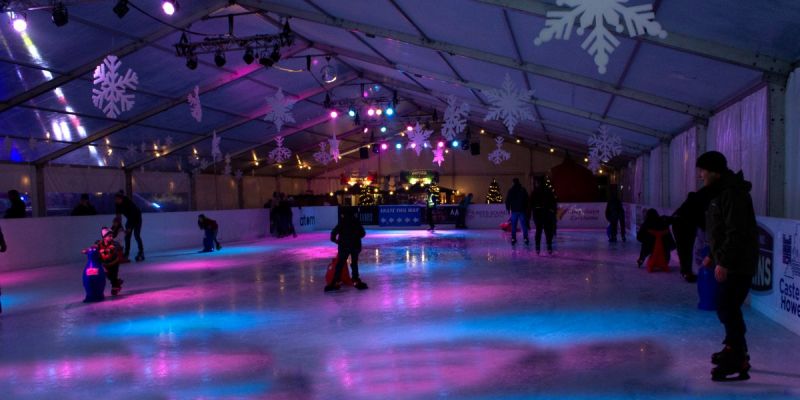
[
  {"x": 732, "y": 234},
  {"x": 84, "y": 207},
  {"x": 544, "y": 207},
  {"x": 431, "y": 201},
  {"x": 517, "y": 205},
  {"x": 347, "y": 234},
  {"x": 17, "y": 208},
  {"x": 463, "y": 207},
  {"x": 2, "y": 250},
  {"x": 615, "y": 215},
  {"x": 685, "y": 221},
  {"x": 133, "y": 223},
  {"x": 210, "y": 228},
  {"x": 653, "y": 224}
]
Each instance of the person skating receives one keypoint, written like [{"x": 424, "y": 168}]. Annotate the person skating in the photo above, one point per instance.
[
  {"x": 544, "y": 207},
  {"x": 685, "y": 221},
  {"x": 732, "y": 233},
  {"x": 210, "y": 229},
  {"x": 615, "y": 215},
  {"x": 431, "y": 201},
  {"x": 347, "y": 234},
  {"x": 84, "y": 207},
  {"x": 2, "y": 250},
  {"x": 133, "y": 223},
  {"x": 17, "y": 208},
  {"x": 516, "y": 204},
  {"x": 463, "y": 207},
  {"x": 110, "y": 256}
]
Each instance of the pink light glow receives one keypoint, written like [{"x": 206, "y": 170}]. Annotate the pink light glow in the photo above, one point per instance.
[
  {"x": 384, "y": 146},
  {"x": 409, "y": 128},
  {"x": 20, "y": 25},
  {"x": 413, "y": 145},
  {"x": 168, "y": 7},
  {"x": 441, "y": 144},
  {"x": 371, "y": 111},
  {"x": 334, "y": 114}
]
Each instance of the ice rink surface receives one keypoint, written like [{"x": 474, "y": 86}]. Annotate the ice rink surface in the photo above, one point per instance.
[{"x": 454, "y": 314}]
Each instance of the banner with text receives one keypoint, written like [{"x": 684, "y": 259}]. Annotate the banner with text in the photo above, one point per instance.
[{"x": 400, "y": 216}]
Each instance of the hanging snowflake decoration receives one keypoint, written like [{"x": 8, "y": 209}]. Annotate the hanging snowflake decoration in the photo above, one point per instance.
[
  {"x": 227, "y": 170},
  {"x": 418, "y": 139},
  {"x": 438, "y": 155},
  {"x": 599, "y": 15},
  {"x": 216, "y": 153},
  {"x": 111, "y": 97},
  {"x": 605, "y": 146},
  {"x": 131, "y": 153},
  {"x": 594, "y": 161},
  {"x": 334, "y": 148},
  {"x": 323, "y": 156},
  {"x": 509, "y": 104},
  {"x": 194, "y": 104},
  {"x": 203, "y": 164},
  {"x": 499, "y": 155},
  {"x": 280, "y": 154},
  {"x": 280, "y": 111},
  {"x": 168, "y": 142},
  {"x": 455, "y": 118}
]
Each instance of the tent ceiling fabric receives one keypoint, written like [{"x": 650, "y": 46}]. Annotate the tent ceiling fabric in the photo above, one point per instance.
[{"x": 653, "y": 89}]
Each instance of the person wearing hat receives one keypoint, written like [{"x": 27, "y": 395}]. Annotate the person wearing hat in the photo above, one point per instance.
[
  {"x": 732, "y": 233},
  {"x": 111, "y": 256},
  {"x": 84, "y": 207},
  {"x": 133, "y": 223},
  {"x": 210, "y": 227}
]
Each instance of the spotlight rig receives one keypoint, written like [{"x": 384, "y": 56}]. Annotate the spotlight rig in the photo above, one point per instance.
[{"x": 264, "y": 47}]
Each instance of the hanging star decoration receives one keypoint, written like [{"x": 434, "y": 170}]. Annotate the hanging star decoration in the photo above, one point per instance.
[
  {"x": 195, "y": 107},
  {"x": 418, "y": 138},
  {"x": 216, "y": 153},
  {"x": 455, "y": 118},
  {"x": 334, "y": 148},
  {"x": 323, "y": 156},
  {"x": 438, "y": 155},
  {"x": 604, "y": 145},
  {"x": 598, "y": 16},
  {"x": 111, "y": 97},
  {"x": 499, "y": 155},
  {"x": 509, "y": 104},
  {"x": 280, "y": 154},
  {"x": 280, "y": 110}
]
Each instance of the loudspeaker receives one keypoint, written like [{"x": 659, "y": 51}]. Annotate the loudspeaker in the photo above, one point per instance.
[
  {"x": 363, "y": 153},
  {"x": 475, "y": 148}
]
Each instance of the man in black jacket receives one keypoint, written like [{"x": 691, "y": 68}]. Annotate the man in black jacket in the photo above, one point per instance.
[
  {"x": 133, "y": 223},
  {"x": 517, "y": 204},
  {"x": 732, "y": 233},
  {"x": 347, "y": 235},
  {"x": 544, "y": 207}
]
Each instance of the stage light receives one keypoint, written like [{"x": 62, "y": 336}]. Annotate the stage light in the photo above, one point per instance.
[
  {"x": 409, "y": 128},
  {"x": 121, "y": 8},
  {"x": 330, "y": 194},
  {"x": 248, "y": 56},
  {"x": 440, "y": 144},
  {"x": 378, "y": 112},
  {"x": 351, "y": 112},
  {"x": 371, "y": 111},
  {"x": 389, "y": 111},
  {"x": 18, "y": 21},
  {"x": 191, "y": 62},
  {"x": 398, "y": 146},
  {"x": 384, "y": 146},
  {"x": 170, "y": 6},
  {"x": 60, "y": 14},
  {"x": 585, "y": 160},
  {"x": 219, "y": 58},
  {"x": 413, "y": 145},
  {"x": 366, "y": 130},
  {"x": 482, "y": 131},
  {"x": 334, "y": 114},
  {"x": 383, "y": 129},
  {"x": 519, "y": 141},
  {"x": 552, "y": 150},
  {"x": 455, "y": 143}
]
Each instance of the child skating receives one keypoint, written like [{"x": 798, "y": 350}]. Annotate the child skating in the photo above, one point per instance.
[
  {"x": 347, "y": 235},
  {"x": 110, "y": 256}
]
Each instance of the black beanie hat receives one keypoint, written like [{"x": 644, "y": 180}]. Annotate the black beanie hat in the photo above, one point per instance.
[{"x": 712, "y": 161}]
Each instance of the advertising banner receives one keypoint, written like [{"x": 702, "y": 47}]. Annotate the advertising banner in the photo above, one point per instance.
[{"x": 400, "y": 215}]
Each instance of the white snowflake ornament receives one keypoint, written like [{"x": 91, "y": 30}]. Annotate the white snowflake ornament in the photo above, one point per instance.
[
  {"x": 509, "y": 104},
  {"x": 227, "y": 170},
  {"x": 438, "y": 155},
  {"x": 194, "y": 104},
  {"x": 238, "y": 175},
  {"x": 499, "y": 155},
  {"x": 280, "y": 111},
  {"x": 605, "y": 146},
  {"x": 418, "y": 139},
  {"x": 111, "y": 96},
  {"x": 455, "y": 118},
  {"x": 599, "y": 15},
  {"x": 594, "y": 162},
  {"x": 280, "y": 154},
  {"x": 323, "y": 156},
  {"x": 334, "y": 148},
  {"x": 216, "y": 153}
]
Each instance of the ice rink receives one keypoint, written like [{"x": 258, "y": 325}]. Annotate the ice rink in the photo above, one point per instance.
[{"x": 454, "y": 314}]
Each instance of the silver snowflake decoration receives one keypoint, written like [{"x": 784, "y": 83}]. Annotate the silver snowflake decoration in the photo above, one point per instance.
[
  {"x": 604, "y": 145},
  {"x": 323, "y": 156},
  {"x": 418, "y": 139},
  {"x": 111, "y": 96},
  {"x": 238, "y": 175},
  {"x": 455, "y": 118},
  {"x": 203, "y": 164},
  {"x": 499, "y": 155},
  {"x": 509, "y": 104},
  {"x": 227, "y": 170},
  {"x": 216, "y": 153},
  {"x": 599, "y": 16},
  {"x": 334, "y": 148},
  {"x": 194, "y": 104},
  {"x": 168, "y": 142},
  {"x": 594, "y": 161},
  {"x": 280, "y": 154},
  {"x": 280, "y": 111},
  {"x": 438, "y": 155}
]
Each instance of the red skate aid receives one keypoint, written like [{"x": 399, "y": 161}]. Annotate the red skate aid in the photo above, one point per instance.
[
  {"x": 346, "y": 280},
  {"x": 659, "y": 258}
]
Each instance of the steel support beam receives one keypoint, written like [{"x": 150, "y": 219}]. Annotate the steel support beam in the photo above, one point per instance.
[
  {"x": 674, "y": 40},
  {"x": 119, "y": 52},
  {"x": 776, "y": 158},
  {"x": 479, "y": 55}
]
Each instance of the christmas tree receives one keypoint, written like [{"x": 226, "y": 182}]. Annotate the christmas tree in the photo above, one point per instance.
[
  {"x": 366, "y": 198},
  {"x": 494, "y": 196}
]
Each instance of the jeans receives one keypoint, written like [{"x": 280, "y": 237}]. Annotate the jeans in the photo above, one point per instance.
[
  {"x": 136, "y": 228},
  {"x": 618, "y": 222},
  {"x": 210, "y": 239},
  {"x": 342, "y": 264},
  {"x": 523, "y": 219},
  {"x": 730, "y": 297}
]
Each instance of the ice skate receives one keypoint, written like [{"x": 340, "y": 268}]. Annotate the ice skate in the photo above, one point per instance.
[
  {"x": 117, "y": 288},
  {"x": 359, "y": 284},
  {"x": 731, "y": 365},
  {"x": 332, "y": 287},
  {"x": 719, "y": 356},
  {"x": 140, "y": 257},
  {"x": 219, "y": 247}
]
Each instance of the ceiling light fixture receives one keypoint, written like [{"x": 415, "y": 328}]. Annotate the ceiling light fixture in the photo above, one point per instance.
[
  {"x": 219, "y": 58},
  {"x": 170, "y": 7}
]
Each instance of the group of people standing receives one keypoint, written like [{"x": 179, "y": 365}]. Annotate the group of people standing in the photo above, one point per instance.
[
  {"x": 541, "y": 205},
  {"x": 280, "y": 215}
]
